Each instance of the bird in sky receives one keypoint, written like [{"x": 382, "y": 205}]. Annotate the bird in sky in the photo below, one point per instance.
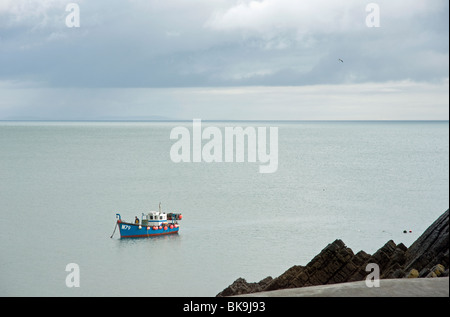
[{"x": 340, "y": 60}]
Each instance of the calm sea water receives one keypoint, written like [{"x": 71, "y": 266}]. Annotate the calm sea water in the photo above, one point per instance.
[{"x": 61, "y": 184}]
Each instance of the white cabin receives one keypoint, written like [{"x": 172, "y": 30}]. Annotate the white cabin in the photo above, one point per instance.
[{"x": 154, "y": 218}]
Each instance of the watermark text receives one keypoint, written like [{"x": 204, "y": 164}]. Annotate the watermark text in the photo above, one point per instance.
[
  {"x": 373, "y": 278},
  {"x": 226, "y": 146},
  {"x": 73, "y": 278},
  {"x": 373, "y": 16},
  {"x": 73, "y": 18}
]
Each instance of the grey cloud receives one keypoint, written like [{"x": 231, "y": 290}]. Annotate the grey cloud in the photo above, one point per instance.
[{"x": 172, "y": 44}]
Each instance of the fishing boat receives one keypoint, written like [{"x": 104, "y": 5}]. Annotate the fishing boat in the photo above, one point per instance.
[{"x": 154, "y": 223}]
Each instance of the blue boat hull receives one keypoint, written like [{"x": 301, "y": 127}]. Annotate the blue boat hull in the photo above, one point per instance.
[{"x": 131, "y": 230}]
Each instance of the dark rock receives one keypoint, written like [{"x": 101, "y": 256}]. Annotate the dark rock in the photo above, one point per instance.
[
  {"x": 291, "y": 278},
  {"x": 432, "y": 247},
  {"x": 241, "y": 286},
  {"x": 428, "y": 256}
]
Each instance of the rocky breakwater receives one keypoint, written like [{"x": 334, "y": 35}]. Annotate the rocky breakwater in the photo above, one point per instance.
[{"x": 428, "y": 256}]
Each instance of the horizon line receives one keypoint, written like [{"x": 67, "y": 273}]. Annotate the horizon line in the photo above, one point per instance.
[{"x": 224, "y": 120}]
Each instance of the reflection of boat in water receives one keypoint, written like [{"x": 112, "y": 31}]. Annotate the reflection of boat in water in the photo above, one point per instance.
[{"x": 154, "y": 223}]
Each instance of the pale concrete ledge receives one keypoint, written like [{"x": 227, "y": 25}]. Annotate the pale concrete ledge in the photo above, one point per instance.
[{"x": 405, "y": 287}]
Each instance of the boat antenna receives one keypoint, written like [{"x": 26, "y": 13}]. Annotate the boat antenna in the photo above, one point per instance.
[{"x": 159, "y": 206}]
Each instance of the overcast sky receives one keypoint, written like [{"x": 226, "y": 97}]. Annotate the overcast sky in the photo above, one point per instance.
[{"x": 224, "y": 59}]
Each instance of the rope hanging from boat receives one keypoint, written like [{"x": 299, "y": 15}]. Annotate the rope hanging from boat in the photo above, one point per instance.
[{"x": 115, "y": 227}]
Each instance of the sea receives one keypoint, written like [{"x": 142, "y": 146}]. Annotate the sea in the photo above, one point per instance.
[{"x": 62, "y": 184}]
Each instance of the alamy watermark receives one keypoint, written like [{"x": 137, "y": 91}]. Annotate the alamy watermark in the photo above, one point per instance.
[
  {"x": 373, "y": 18},
  {"x": 73, "y": 278},
  {"x": 221, "y": 145},
  {"x": 373, "y": 278},
  {"x": 73, "y": 18}
]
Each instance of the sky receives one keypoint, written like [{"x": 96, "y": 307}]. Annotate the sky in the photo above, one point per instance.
[{"x": 225, "y": 59}]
